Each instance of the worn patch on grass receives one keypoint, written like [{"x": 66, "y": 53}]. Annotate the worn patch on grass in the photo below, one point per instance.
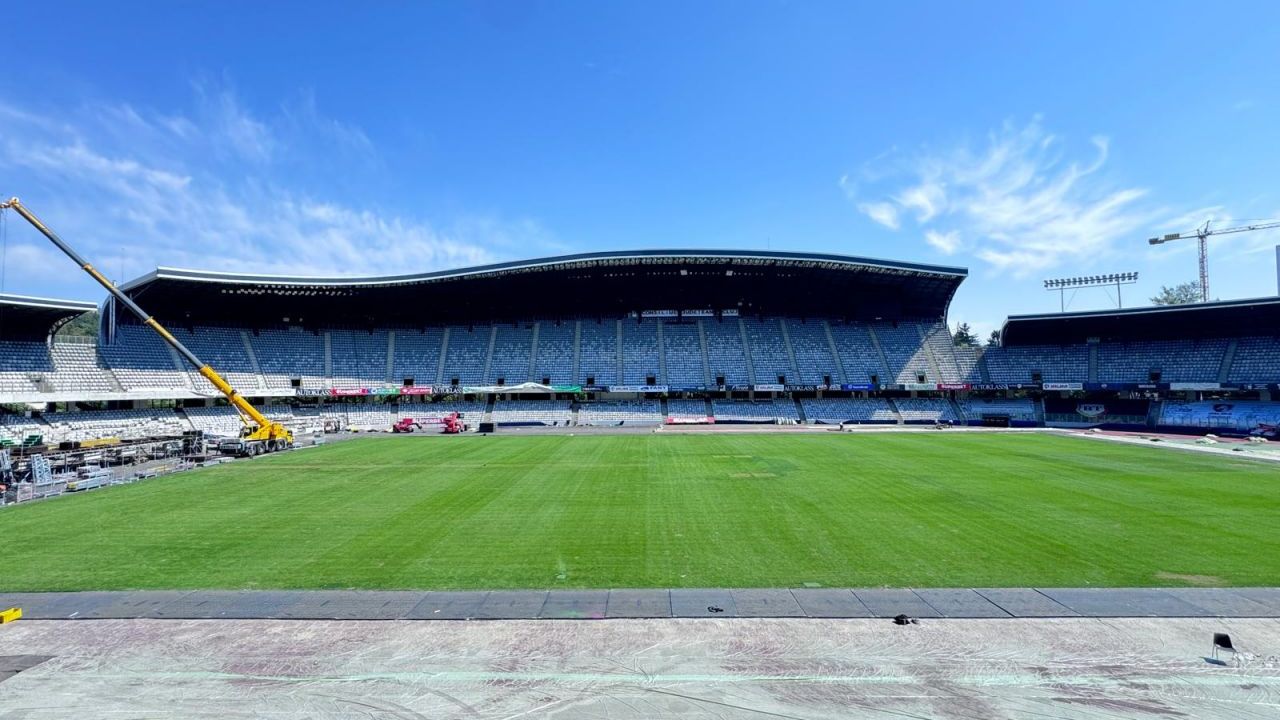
[{"x": 1197, "y": 580}]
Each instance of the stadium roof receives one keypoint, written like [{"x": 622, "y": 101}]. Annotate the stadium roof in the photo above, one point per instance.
[
  {"x": 583, "y": 285},
  {"x": 32, "y": 318},
  {"x": 1231, "y": 318}
]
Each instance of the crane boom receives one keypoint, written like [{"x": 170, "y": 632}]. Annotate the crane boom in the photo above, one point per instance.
[
  {"x": 1202, "y": 235},
  {"x": 259, "y": 427}
]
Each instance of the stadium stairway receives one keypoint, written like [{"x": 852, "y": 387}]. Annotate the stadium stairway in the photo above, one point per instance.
[
  {"x": 889, "y": 374},
  {"x": 253, "y": 358},
  {"x": 706, "y": 359},
  {"x": 928, "y": 352},
  {"x": 893, "y": 405},
  {"x": 800, "y": 411},
  {"x": 711, "y": 409},
  {"x": 662, "y": 408},
  {"x": 1228, "y": 359},
  {"x": 488, "y": 408},
  {"x": 835, "y": 354},
  {"x": 959, "y": 411},
  {"x": 746, "y": 353}
]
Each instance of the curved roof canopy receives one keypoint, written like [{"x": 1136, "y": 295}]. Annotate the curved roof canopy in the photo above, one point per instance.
[
  {"x": 584, "y": 285},
  {"x": 33, "y": 318},
  {"x": 1232, "y": 318}
]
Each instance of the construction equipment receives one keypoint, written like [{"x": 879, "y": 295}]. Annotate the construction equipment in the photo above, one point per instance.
[
  {"x": 452, "y": 424},
  {"x": 406, "y": 425},
  {"x": 258, "y": 435},
  {"x": 1202, "y": 234}
]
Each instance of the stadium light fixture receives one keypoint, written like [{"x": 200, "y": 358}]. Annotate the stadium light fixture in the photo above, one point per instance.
[{"x": 1062, "y": 285}]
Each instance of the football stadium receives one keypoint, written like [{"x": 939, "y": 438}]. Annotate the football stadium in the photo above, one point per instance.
[{"x": 646, "y": 419}]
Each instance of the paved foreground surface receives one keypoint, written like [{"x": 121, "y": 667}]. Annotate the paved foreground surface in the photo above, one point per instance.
[
  {"x": 681, "y": 603},
  {"x": 769, "y": 668}
]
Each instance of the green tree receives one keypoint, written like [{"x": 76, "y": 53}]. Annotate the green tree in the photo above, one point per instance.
[
  {"x": 964, "y": 335},
  {"x": 86, "y": 325},
  {"x": 1183, "y": 294},
  {"x": 993, "y": 340}
]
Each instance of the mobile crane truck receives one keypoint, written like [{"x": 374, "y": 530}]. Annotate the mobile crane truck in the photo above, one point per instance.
[{"x": 259, "y": 434}]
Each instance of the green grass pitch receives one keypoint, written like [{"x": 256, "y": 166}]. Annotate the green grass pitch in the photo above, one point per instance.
[{"x": 667, "y": 510}]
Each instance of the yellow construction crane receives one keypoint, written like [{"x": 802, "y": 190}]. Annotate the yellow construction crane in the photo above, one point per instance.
[
  {"x": 1202, "y": 233},
  {"x": 259, "y": 434}
]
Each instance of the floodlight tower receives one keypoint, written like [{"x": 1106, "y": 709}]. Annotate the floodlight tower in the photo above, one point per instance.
[
  {"x": 1062, "y": 285},
  {"x": 1202, "y": 234}
]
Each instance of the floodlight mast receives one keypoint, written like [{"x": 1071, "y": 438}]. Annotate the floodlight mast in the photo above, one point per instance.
[
  {"x": 1202, "y": 235},
  {"x": 1075, "y": 283},
  {"x": 258, "y": 427}
]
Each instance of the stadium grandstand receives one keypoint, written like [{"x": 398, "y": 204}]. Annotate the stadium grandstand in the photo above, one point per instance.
[{"x": 623, "y": 338}]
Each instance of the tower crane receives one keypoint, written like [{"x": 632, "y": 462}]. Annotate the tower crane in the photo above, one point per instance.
[
  {"x": 1202, "y": 234},
  {"x": 259, "y": 434}
]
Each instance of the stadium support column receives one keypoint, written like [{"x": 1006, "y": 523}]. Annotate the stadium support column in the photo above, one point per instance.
[
  {"x": 391, "y": 354},
  {"x": 577, "y": 353},
  {"x": 662, "y": 357},
  {"x": 533, "y": 354},
  {"x": 835, "y": 354}
]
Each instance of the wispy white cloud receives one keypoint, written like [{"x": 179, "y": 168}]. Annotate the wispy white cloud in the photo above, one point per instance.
[
  {"x": 216, "y": 187},
  {"x": 1022, "y": 201}
]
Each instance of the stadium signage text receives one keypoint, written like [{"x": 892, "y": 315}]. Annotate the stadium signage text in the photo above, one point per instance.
[
  {"x": 953, "y": 386},
  {"x": 1063, "y": 386},
  {"x": 769, "y": 387},
  {"x": 698, "y": 313},
  {"x": 658, "y": 313},
  {"x": 732, "y": 312},
  {"x": 638, "y": 388},
  {"x": 857, "y": 386}
]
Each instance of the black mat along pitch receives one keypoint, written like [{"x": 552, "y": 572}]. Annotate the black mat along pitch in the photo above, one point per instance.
[
  {"x": 11, "y": 665},
  {"x": 229, "y": 604},
  {"x": 512, "y": 605},
  {"x": 702, "y": 603},
  {"x": 1222, "y": 602},
  {"x": 460, "y": 605},
  {"x": 59, "y": 605},
  {"x": 889, "y": 602},
  {"x": 1124, "y": 602},
  {"x": 575, "y": 604},
  {"x": 1025, "y": 602},
  {"x": 353, "y": 605},
  {"x": 830, "y": 603},
  {"x": 1267, "y": 597},
  {"x": 140, "y": 604},
  {"x": 766, "y": 603},
  {"x": 960, "y": 603},
  {"x": 639, "y": 604}
]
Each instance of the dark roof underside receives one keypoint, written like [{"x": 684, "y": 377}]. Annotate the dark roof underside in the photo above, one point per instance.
[
  {"x": 1235, "y": 318},
  {"x": 31, "y": 318},
  {"x": 597, "y": 284}
]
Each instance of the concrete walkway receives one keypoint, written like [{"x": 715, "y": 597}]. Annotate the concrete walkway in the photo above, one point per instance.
[{"x": 678, "y": 603}]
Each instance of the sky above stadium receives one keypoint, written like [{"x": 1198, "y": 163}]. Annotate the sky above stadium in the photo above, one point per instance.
[{"x": 1022, "y": 141}]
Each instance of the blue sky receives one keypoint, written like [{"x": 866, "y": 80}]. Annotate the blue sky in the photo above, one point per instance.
[{"x": 1020, "y": 140}]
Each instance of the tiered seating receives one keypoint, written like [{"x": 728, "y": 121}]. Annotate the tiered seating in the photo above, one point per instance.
[
  {"x": 768, "y": 350},
  {"x": 358, "y": 358},
  {"x": 760, "y": 411},
  {"x": 1055, "y": 363},
  {"x": 599, "y": 349},
  {"x": 223, "y": 348},
  {"x": 222, "y": 421},
  {"x": 123, "y": 424},
  {"x": 725, "y": 353},
  {"x": 639, "y": 351},
  {"x": 1239, "y": 415},
  {"x": 290, "y": 353},
  {"x": 1177, "y": 361},
  {"x": 904, "y": 352},
  {"x": 365, "y": 416},
  {"x": 812, "y": 351},
  {"x": 967, "y": 359},
  {"x": 511, "y": 350},
  {"x": 682, "y": 408},
  {"x": 922, "y": 410},
  {"x": 833, "y": 411},
  {"x": 76, "y": 368},
  {"x": 555, "y": 354},
  {"x": 1257, "y": 359},
  {"x": 417, "y": 356},
  {"x": 858, "y": 354},
  {"x": 14, "y": 429},
  {"x": 684, "y": 355},
  {"x": 939, "y": 341},
  {"x": 464, "y": 360},
  {"x": 141, "y": 360},
  {"x": 1018, "y": 409},
  {"x": 527, "y": 412},
  {"x": 632, "y": 412},
  {"x": 472, "y": 412}
]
